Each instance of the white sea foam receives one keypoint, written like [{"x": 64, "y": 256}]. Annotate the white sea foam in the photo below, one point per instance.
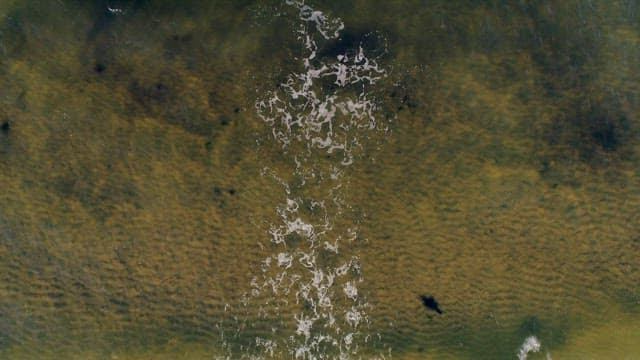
[
  {"x": 323, "y": 108},
  {"x": 350, "y": 290},
  {"x": 269, "y": 346},
  {"x": 302, "y": 110},
  {"x": 530, "y": 345},
  {"x": 284, "y": 260},
  {"x": 329, "y": 28}
]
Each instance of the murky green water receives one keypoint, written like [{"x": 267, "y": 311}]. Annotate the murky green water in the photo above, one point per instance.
[{"x": 483, "y": 153}]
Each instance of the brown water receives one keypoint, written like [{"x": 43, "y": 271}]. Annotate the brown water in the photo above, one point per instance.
[{"x": 135, "y": 209}]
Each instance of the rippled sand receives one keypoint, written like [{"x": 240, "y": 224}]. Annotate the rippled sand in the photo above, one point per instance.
[{"x": 135, "y": 209}]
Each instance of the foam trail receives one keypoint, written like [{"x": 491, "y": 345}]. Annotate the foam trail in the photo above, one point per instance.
[{"x": 307, "y": 268}]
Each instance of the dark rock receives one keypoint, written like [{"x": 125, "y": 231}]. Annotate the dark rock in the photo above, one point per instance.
[
  {"x": 5, "y": 127},
  {"x": 99, "y": 68},
  {"x": 430, "y": 303},
  {"x": 605, "y": 134}
]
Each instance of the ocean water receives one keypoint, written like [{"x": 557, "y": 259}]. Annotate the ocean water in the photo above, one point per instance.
[{"x": 319, "y": 179}]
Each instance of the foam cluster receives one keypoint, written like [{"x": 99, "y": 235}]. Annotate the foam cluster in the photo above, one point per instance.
[
  {"x": 324, "y": 108},
  {"x": 305, "y": 109}
]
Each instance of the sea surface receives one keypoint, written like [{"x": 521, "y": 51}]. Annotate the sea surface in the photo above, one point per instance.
[{"x": 308, "y": 179}]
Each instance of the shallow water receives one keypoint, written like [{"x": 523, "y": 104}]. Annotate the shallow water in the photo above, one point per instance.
[{"x": 159, "y": 203}]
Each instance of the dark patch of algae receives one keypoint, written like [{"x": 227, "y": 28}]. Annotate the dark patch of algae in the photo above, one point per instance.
[{"x": 132, "y": 201}]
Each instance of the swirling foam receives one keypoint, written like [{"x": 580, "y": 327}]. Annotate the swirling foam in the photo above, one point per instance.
[
  {"x": 302, "y": 110},
  {"x": 306, "y": 269}
]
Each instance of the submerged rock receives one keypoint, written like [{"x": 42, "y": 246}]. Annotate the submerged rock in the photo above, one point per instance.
[
  {"x": 5, "y": 127},
  {"x": 430, "y": 303}
]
